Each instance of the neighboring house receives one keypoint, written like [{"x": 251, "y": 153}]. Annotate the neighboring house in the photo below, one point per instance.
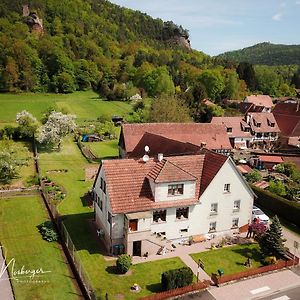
[
  {"x": 287, "y": 116},
  {"x": 253, "y": 130},
  {"x": 204, "y": 135},
  {"x": 264, "y": 128},
  {"x": 263, "y": 103},
  {"x": 238, "y": 130},
  {"x": 143, "y": 206},
  {"x": 268, "y": 162}
]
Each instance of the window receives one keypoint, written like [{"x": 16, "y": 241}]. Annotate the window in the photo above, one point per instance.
[
  {"x": 159, "y": 215},
  {"x": 227, "y": 188},
  {"x": 214, "y": 208},
  {"x": 212, "y": 226},
  {"x": 247, "y": 129},
  {"x": 184, "y": 230},
  {"x": 258, "y": 124},
  {"x": 229, "y": 129},
  {"x": 235, "y": 222},
  {"x": 109, "y": 217},
  {"x": 103, "y": 185},
  {"x": 272, "y": 124},
  {"x": 133, "y": 225},
  {"x": 182, "y": 213},
  {"x": 175, "y": 189},
  {"x": 259, "y": 135},
  {"x": 99, "y": 201},
  {"x": 236, "y": 205}
]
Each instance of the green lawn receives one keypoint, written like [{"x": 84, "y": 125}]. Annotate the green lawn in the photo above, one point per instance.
[
  {"x": 23, "y": 151},
  {"x": 85, "y": 105},
  {"x": 76, "y": 216},
  {"x": 230, "y": 259},
  {"x": 19, "y": 217},
  {"x": 104, "y": 149}
]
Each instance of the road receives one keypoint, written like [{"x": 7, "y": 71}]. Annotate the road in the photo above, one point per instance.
[{"x": 290, "y": 294}]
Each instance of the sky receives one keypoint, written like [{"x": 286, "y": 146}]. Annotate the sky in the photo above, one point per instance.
[{"x": 217, "y": 26}]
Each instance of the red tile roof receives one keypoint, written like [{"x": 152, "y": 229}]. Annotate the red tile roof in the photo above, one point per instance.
[
  {"x": 265, "y": 119},
  {"x": 214, "y": 136},
  {"x": 236, "y": 123},
  {"x": 244, "y": 169},
  {"x": 271, "y": 159},
  {"x": 128, "y": 185},
  {"x": 166, "y": 171},
  {"x": 160, "y": 144},
  {"x": 287, "y": 116},
  {"x": 260, "y": 100}
]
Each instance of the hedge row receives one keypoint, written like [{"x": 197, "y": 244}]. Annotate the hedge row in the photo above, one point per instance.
[
  {"x": 177, "y": 278},
  {"x": 284, "y": 208}
]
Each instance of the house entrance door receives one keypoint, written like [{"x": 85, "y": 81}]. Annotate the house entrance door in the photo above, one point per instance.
[{"x": 137, "y": 248}]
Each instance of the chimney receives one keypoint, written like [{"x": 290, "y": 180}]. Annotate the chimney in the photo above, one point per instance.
[
  {"x": 160, "y": 156},
  {"x": 203, "y": 145}
]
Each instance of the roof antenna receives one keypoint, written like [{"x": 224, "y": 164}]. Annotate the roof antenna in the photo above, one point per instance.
[{"x": 146, "y": 156}]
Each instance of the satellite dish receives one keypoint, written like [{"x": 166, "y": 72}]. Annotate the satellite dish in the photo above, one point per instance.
[
  {"x": 147, "y": 148},
  {"x": 146, "y": 158}
]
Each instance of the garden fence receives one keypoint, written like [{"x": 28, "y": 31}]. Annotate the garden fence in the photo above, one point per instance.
[{"x": 67, "y": 243}]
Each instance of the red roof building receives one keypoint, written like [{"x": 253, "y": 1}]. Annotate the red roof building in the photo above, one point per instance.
[
  {"x": 263, "y": 101},
  {"x": 204, "y": 135}
]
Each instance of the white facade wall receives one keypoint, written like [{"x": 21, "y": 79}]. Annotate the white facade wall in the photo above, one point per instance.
[
  {"x": 161, "y": 191},
  {"x": 199, "y": 214}
]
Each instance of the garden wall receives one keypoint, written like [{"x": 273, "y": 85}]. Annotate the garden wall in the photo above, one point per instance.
[
  {"x": 287, "y": 209},
  {"x": 177, "y": 292},
  {"x": 288, "y": 262}
]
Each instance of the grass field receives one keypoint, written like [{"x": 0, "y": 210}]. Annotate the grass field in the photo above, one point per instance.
[
  {"x": 19, "y": 217},
  {"x": 104, "y": 149},
  {"x": 85, "y": 105},
  {"x": 23, "y": 151},
  {"x": 230, "y": 259}
]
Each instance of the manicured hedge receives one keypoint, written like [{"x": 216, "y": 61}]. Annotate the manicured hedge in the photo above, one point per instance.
[
  {"x": 177, "y": 278},
  {"x": 284, "y": 208}
]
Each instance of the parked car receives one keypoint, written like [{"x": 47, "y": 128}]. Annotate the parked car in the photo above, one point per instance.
[{"x": 259, "y": 214}]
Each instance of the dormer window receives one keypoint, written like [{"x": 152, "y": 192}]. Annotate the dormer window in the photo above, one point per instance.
[
  {"x": 175, "y": 189},
  {"x": 229, "y": 129},
  {"x": 272, "y": 124},
  {"x": 258, "y": 124}
]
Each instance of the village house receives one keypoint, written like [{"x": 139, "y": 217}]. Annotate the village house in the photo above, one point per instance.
[
  {"x": 203, "y": 135},
  {"x": 259, "y": 103},
  {"x": 255, "y": 129},
  {"x": 287, "y": 116},
  {"x": 144, "y": 205}
]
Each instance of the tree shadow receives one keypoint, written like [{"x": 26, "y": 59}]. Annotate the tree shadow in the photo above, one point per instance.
[
  {"x": 154, "y": 287},
  {"x": 112, "y": 270},
  {"x": 86, "y": 200},
  {"x": 254, "y": 253}
]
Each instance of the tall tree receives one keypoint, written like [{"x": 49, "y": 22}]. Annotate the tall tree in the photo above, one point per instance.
[
  {"x": 246, "y": 72},
  {"x": 271, "y": 243}
]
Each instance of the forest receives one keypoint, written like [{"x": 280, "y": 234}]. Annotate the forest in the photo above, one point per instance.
[{"x": 118, "y": 52}]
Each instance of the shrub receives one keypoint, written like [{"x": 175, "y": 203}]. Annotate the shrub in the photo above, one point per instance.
[
  {"x": 123, "y": 263},
  {"x": 270, "y": 260},
  {"x": 287, "y": 209},
  {"x": 177, "y": 278},
  {"x": 48, "y": 232}
]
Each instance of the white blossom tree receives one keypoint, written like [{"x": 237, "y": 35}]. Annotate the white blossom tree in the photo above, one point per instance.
[
  {"x": 57, "y": 126},
  {"x": 28, "y": 124}
]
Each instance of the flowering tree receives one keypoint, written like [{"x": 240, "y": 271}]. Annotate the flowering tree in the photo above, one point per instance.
[
  {"x": 28, "y": 124},
  {"x": 57, "y": 126}
]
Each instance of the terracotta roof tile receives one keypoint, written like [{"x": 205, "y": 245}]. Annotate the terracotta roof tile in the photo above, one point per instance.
[
  {"x": 166, "y": 171},
  {"x": 260, "y": 100},
  {"x": 214, "y": 136},
  {"x": 271, "y": 158},
  {"x": 236, "y": 123},
  {"x": 160, "y": 144},
  {"x": 129, "y": 189},
  {"x": 265, "y": 120}
]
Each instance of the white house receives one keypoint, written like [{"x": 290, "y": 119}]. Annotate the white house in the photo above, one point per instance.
[{"x": 142, "y": 205}]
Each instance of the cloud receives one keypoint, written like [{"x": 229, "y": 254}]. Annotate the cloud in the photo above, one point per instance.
[
  {"x": 277, "y": 17},
  {"x": 297, "y": 2}
]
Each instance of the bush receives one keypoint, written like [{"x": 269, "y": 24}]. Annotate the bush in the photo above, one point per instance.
[
  {"x": 270, "y": 260},
  {"x": 48, "y": 232},
  {"x": 123, "y": 263},
  {"x": 177, "y": 278},
  {"x": 289, "y": 210}
]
